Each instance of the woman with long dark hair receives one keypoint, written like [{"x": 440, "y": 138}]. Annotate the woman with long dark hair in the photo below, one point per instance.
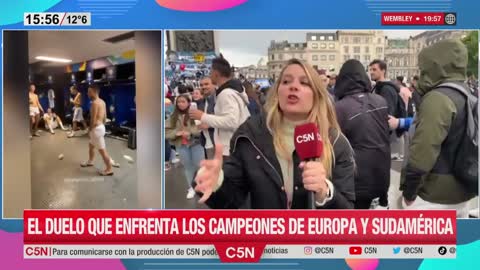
[{"x": 185, "y": 135}]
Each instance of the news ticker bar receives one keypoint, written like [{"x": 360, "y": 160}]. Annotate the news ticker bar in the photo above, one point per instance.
[
  {"x": 419, "y": 18},
  {"x": 239, "y": 253}
]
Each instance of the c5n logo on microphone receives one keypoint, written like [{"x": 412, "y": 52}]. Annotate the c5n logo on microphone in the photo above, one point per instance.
[
  {"x": 309, "y": 137},
  {"x": 308, "y": 142}
]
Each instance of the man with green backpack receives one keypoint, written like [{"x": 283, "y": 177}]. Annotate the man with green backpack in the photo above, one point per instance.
[{"x": 441, "y": 170}]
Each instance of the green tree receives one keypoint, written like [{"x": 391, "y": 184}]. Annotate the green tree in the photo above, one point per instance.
[{"x": 471, "y": 42}]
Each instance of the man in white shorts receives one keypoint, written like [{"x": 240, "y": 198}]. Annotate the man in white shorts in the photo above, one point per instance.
[
  {"x": 52, "y": 121},
  {"x": 98, "y": 116},
  {"x": 35, "y": 108},
  {"x": 77, "y": 111}
]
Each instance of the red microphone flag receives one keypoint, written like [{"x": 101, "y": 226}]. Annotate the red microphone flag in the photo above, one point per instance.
[{"x": 308, "y": 142}]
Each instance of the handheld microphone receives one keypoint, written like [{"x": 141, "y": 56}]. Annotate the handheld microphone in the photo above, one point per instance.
[{"x": 309, "y": 146}]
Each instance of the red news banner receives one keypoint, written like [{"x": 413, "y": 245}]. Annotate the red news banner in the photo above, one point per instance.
[
  {"x": 244, "y": 230},
  {"x": 413, "y": 18}
]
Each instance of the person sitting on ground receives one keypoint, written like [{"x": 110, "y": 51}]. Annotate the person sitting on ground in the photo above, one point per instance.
[{"x": 52, "y": 121}]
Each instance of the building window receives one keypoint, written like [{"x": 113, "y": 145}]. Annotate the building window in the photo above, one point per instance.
[
  {"x": 367, "y": 58},
  {"x": 346, "y": 57},
  {"x": 322, "y": 37},
  {"x": 330, "y": 38},
  {"x": 379, "y": 49},
  {"x": 367, "y": 49},
  {"x": 323, "y": 45},
  {"x": 314, "y": 37},
  {"x": 314, "y": 57},
  {"x": 331, "y": 46},
  {"x": 345, "y": 49},
  {"x": 356, "y": 40},
  {"x": 356, "y": 49},
  {"x": 356, "y": 57},
  {"x": 331, "y": 57},
  {"x": 314, "y": 45},
  {"x": 315, "y": 67},
  {"x": 323, "y": 57},
  {"x": 273, "y": 56},
  {"x": 379, "y": 41},
  {"x": 280, "y": 56}
]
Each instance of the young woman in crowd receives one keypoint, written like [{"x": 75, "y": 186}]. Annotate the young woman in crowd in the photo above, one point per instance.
[{"x": 184, "y": 134}]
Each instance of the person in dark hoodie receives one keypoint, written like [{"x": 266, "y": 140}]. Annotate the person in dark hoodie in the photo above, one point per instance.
[
  {"x": 230, "y": 108},
  {"x": 263, "y": 160},
  {"x": 428, "y": 181},
  {"x": 363, "y": 118}
]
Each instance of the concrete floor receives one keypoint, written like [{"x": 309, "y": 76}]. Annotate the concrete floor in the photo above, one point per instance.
[
  {"x": 63, "y": 184},
  {"x": 176, "y": 189}
]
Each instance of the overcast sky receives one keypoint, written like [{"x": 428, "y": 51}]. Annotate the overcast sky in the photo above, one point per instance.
[{"x": 243, "y": 48}]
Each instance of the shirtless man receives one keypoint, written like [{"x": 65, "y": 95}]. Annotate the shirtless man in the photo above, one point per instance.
[
  {"x": 98, "y": 116},
  {"x": 35, "y": 109},
  {"x": 77, "y": 111},
  {"x": 52, "y": 121}
]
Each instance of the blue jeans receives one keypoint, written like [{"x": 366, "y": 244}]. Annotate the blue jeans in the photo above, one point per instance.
[
  {"x": 191, "y": 157},
  {"x": 168, "y": 151}
]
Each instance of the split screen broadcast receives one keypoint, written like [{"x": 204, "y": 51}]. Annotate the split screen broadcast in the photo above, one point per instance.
[{"x": 340, "y": 119}]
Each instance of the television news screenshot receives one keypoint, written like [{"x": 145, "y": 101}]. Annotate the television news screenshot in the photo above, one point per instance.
[{"x": 239, "y": 134}]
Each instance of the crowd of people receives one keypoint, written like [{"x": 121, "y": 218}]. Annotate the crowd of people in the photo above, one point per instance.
[{"x": 238, "y": 149}]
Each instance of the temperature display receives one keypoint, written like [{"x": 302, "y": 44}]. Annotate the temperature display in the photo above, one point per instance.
[{"x": 57, "y": 19}]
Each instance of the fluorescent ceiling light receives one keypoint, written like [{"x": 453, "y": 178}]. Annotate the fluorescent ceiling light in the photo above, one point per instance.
[{"x": 53, "y": 59}]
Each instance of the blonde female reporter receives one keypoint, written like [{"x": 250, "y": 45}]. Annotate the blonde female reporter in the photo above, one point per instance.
[{"x": 263, "y": 163}]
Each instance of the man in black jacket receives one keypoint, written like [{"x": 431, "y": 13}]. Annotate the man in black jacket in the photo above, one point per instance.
[
  {"x": 363, "y": 118},
  {"x": 207, "y": 105},
  {"x": 390, "y": 92},
  {"x": 383, "y": 87}
]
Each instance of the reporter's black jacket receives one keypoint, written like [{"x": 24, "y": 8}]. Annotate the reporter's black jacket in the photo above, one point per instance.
[{"x": 253, "y": 168}]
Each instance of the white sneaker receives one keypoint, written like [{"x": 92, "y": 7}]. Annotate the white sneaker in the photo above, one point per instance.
[
  {"x": 379, "y": 207},
  {"x": 114, "y": 164},
  {"x": 51, "y": 131},
  {"x": 191, "y": 193},
  {"x": 175, "y": 160},
  {"x": 71, "y": 134}
]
